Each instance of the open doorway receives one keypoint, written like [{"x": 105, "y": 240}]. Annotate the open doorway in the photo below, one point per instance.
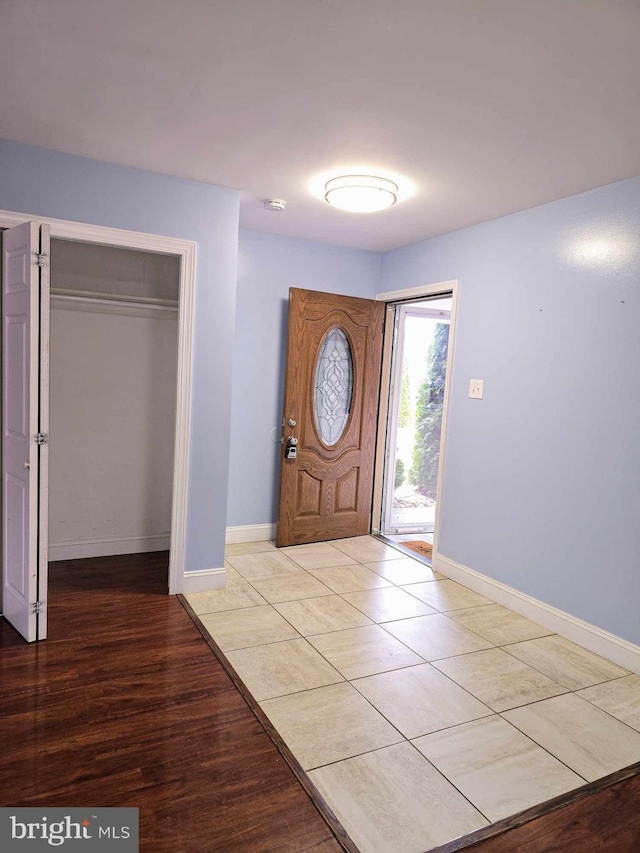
[
  {"x": 113, "y": 370},
  {"x": 418, "y": 368},
  {"x": 26, "y": 308}
]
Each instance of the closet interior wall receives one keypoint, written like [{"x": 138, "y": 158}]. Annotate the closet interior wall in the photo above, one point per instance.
[{"x": 114, "y": 345}]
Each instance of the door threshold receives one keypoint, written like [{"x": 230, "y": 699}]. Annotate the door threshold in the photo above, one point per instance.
[{"x": 422, "y": 558}]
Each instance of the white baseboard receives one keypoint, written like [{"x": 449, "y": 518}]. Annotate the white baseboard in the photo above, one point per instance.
[
  {"x": 77, "y": 549},
  {"x": 250, "y": 533},
  {"x": 204, "y": 579},
  {"x": 583, "y": 633}
]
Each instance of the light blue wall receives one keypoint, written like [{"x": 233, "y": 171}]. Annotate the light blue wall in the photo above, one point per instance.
[
  {"x": 542, "y": 481},
  {"x": 44, "y": 183},
  {"x": 268, "y": 266},
  {"x": 541, "y": 487}
]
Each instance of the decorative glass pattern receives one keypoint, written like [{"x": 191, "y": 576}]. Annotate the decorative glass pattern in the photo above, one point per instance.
[{"x": 333, "y": 386}]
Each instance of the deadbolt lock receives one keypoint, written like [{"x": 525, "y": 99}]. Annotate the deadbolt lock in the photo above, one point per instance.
[{"x": 291, "y": 448}]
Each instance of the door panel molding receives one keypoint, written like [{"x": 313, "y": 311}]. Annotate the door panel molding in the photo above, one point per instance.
[{"x": 20, "y": 450}]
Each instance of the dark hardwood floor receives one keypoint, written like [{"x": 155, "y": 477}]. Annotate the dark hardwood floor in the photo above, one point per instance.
[
  {"x": 125, "y": 704},
  {"x": 602, "y": 817},
  {"x": 606, "y": 822}
]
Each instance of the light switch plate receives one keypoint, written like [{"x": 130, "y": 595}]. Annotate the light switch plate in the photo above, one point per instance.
[{"x": 476, "y": 389}]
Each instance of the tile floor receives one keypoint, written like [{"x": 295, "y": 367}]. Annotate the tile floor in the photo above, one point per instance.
[{"x": 421, "y": 710}]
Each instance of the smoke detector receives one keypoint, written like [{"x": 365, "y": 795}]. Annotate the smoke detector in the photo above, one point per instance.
[{"x": 277, "y": 205}]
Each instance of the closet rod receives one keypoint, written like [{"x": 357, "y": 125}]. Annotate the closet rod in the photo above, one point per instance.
[{"x": 92, "y": 297}]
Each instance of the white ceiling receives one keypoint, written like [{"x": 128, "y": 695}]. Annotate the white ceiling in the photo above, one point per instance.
[{"x": 479, "y": 107}]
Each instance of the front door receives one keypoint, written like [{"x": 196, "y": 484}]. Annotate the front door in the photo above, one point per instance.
[
  {"x": 330, "y": 410},
  {"x": 25, "y": 336}
]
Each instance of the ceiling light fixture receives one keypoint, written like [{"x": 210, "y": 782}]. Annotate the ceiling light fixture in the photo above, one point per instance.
[{"x": 361, "y": 193}]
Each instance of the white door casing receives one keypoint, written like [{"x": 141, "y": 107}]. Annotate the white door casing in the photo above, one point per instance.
[
  {"x": 185, "y": 250},
  {"x": 24, "y": 516},
  {"x": 402, "y": 312},
  {"x": 390, "y": 297},
  {"x": 43, "y": 428}
]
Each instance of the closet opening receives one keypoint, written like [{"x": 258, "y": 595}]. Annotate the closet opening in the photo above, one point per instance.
[{"x": 113, "y": 380}]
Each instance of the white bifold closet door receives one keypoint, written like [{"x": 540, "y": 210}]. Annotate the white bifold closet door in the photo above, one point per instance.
[{"x": 25, "y": 427}]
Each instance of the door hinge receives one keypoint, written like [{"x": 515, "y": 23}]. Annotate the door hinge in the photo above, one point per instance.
[
  {"x": 41, "y": 260},
  {"x": 42, "y": 438},
  {"x": 37, "y": 607}
]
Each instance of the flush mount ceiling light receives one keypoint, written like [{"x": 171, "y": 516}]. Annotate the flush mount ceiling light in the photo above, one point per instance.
[{"x": 361, "y": 193}]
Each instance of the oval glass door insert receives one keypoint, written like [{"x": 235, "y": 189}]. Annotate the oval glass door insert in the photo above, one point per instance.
[{"x": 333, "y": 386}]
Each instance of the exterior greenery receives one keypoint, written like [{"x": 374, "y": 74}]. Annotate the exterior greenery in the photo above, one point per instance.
[
  {"x": 400, "y": 473},
  {"x": 404, "y": 414},
  {"x": 426, "y": 452}
]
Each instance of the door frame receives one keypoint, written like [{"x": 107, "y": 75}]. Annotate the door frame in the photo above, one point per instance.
[
  {"x": 185, "y": 250},
  {"x": 395, "y": 381},
  {"x": 391, "y": 298}
]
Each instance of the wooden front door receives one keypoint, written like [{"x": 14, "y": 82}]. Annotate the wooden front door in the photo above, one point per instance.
[{"x": 330, "y": 413}]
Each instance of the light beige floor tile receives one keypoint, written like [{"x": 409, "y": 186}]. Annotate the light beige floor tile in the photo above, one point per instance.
[
  {"x": 321, "y": 615},
  {"x": 268, "y": 564},
  {"x": 363, "y": 651},
  {"x": 446, "y": 595},
  {"x": 435, "y": 637},
  {"x": 248, "y": 548},
  {"x": 253, "y": 626},
  {"x": 329, "y": 724},
  {"x": 349, "y": 578},
  {"x": 366, "y": 549},
  {"x": 237, "y": 594},
  {"x": 498, "y": 679},
  {"x": 403, "y": 571},
  {"x": 619, "y": 698},
  {"x": 566, "y": 662},
  {"x": 394, "y": 801},
  {"x": 419, "y": 699},
  {"x": 281, "y": 668},
  {"x": 495, "y": 766},
  {"x": 290, "y": 587},
  {"x": 318, "y": 555},
  {"x": 498, "y": 624},
  {"x": 582, "y": 736},
  {"x": 387, "y": 603}
]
